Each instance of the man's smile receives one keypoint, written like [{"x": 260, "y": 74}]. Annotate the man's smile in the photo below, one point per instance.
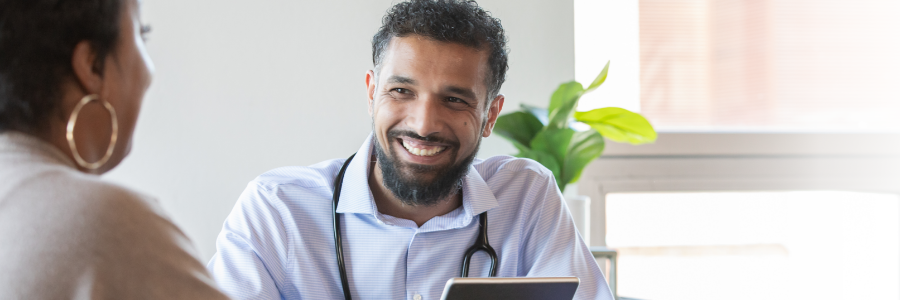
[
  {"x": 423, "y": 151},
  {"x": 422, "y": 148}
]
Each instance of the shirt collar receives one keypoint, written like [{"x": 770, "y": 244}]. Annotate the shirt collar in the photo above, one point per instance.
[
  {"x": 477, "y": 196},
  {"x": 356, "y": 197}
]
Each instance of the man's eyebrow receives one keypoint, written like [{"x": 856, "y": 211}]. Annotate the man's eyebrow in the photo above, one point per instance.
[
  {"x": 401, "y": 79},
  {"x": 467, "y": 93}
]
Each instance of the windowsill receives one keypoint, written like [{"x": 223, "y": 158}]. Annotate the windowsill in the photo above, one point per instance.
[{"x": 765, "y": 144}]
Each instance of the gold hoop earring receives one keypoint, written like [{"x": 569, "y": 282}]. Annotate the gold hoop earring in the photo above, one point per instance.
[{"x": 70, "y": 132}]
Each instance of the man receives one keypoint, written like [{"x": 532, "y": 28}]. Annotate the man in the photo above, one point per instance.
[{"x": 411, "y": 199}]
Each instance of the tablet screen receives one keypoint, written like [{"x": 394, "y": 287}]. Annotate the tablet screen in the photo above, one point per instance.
[{"x": 519, "y": 288}]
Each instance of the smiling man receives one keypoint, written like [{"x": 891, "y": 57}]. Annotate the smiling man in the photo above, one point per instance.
[{"x": 413, "y": 199}]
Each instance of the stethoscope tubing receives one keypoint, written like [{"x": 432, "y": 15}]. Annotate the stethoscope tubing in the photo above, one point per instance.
[
  {"x": 481, "y": 242},
  {"x": 338, "y": 245}
]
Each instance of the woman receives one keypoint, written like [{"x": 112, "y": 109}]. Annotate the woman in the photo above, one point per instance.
[{"x": 73, "y": 74}]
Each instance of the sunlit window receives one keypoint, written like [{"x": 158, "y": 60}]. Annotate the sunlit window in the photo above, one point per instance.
[
  {"x": 724, "y": 81},
  {"x": 756, "y": 245}
]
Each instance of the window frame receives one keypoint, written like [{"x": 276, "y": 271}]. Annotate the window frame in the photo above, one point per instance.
[{"x": 722, "y": 162}]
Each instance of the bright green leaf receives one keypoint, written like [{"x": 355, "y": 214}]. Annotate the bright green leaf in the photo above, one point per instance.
[
  {"x": 619, "y": 124},
  {"x": 518, "y": 127},
  {"x": 600, "y": 79},
  {"x": 585, "y": 147},
  {"x": 563, "y": 103}
]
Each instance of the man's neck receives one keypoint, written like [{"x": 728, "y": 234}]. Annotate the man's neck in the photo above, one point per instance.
[{"x": 388, "y": 204}]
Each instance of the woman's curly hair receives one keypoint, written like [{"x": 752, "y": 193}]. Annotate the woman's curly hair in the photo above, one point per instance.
[
  {"x": 37, "y": 39},
  {"x": 456, "y": 21}
]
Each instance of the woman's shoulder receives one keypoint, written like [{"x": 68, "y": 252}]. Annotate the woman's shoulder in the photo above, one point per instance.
[
  {"x": 70, "y": 188},
  {"x": 86, "y": 212},
  {"x": 83, "y": 205},
  {"x": 82, "y": 223}
]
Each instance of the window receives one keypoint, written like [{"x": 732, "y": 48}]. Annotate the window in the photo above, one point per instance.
[
  {"x": 786, "y": 104},
  {"x": 709, "y": 178},
  {"x": 773, "y": 65}
]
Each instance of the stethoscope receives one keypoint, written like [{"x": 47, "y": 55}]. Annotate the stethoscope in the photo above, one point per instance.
[{"x": 481, "y": 243}]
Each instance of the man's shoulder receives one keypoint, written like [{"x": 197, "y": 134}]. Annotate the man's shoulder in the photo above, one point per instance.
[
  {"x": 318, "y": 175},
  {"x": 507, "y": 167},
  {"x": 523, "y": 187},
  {"x": 286, "y": 189}
]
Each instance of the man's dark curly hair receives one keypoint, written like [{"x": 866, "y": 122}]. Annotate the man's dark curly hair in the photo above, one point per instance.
[
  {"x": 37, "y": 40},
  {"x": 456, "y": 21}
]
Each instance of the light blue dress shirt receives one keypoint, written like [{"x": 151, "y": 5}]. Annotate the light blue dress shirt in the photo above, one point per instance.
[{"x": 278, "y": 242}]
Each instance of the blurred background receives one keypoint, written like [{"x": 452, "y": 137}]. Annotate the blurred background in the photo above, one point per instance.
[{"x": 776, "y": 174}]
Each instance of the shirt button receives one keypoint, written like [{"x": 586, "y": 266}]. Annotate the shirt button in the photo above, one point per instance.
[{"x": 417, "y": 297}]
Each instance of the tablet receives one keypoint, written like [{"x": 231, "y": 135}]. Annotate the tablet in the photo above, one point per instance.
[{"x": 519, "y": 288}]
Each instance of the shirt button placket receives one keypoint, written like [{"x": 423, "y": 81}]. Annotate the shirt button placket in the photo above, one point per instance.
[{"x": 412, "y": 252}]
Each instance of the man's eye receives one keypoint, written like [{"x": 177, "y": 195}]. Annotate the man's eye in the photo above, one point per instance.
[
  {"x": 401, "y": 94},
  {"x": 456, "y": 100}
]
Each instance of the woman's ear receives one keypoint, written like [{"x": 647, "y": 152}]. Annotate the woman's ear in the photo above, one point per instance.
[{"x": 84, "y": 63}]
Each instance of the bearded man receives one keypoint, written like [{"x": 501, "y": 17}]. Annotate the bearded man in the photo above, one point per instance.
[{"x": 395, "y": 220}]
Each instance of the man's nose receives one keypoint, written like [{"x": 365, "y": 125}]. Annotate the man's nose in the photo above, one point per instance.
[{"x": 425, "y": 116}]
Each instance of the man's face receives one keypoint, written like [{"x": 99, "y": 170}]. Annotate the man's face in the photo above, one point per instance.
[{"x": 428, "y": 111}]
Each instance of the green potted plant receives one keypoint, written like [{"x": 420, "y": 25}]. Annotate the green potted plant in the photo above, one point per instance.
[
  {"x": 566, "y": 141},
  {"x": 549, "y": 137}
]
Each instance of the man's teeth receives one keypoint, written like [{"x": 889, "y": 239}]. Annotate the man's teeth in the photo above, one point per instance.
[{"x": 422, "y": 152}]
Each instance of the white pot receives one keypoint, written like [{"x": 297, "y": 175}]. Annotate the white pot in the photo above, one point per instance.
[{"x": 580, "y": 207}]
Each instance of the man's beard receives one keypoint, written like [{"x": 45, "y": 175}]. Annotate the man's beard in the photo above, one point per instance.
[{"x": 403, "y": 180}]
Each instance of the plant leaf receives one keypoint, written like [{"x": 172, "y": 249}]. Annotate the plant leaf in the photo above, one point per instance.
[
  {"x": 537, "y": 112},
  {"x": 600, "y": 79},
  {"x": 518, "y": 127},
  {"x": 556, "y": 143},
  {"x": 545, "y": 159},
  {"x": 563, "y": 103},
  {"x": 585, "y": 147},
  {"x": 521, "y": 147},
  {"x": 553, "y": 141},
  {"x": 619, "y": 124}
]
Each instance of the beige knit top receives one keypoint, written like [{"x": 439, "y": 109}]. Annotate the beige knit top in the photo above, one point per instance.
[{"x": 69, "y": 235}]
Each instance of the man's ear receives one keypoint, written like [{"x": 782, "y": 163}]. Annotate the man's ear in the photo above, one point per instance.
[
  {"x": 370, "y": 89},
  {"x": 493, "y": 113},
  {"x": 84, "y": 60}
]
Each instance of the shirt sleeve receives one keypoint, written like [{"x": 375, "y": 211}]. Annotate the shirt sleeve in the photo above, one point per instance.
[
  {"x": 553, "y": 247},
  {"x": 250, "y": 249}
]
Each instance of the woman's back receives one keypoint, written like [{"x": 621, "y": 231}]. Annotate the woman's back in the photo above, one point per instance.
[{"x": 65, "y": 234}]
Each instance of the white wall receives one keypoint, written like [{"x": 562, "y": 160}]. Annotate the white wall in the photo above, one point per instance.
[
  {"x": 608, "y": 31},
  {"x": 242, "y": 87}
]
